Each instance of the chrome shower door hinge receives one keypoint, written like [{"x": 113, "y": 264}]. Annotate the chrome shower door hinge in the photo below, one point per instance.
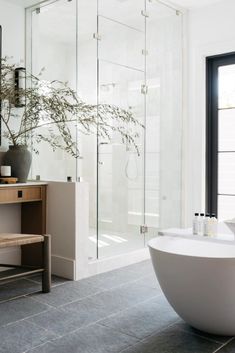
[
  {"x": 38, "y": 10},
  {"x": 144, "y": 89},
  {"x": 143, "y": 229},
  {"x": 144, "y": 13},
  {"x": 145, "y": 52},
  {"x": 97, "y": 36}
]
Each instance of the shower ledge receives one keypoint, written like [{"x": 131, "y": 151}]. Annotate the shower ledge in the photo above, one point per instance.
[{"x": 224, "y": 234}]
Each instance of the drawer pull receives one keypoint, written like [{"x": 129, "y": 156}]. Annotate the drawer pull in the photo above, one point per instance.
[{"x": 20, "y": 193}]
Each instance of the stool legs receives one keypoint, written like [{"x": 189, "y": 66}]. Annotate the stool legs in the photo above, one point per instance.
[{"x": 46, "y": 275}]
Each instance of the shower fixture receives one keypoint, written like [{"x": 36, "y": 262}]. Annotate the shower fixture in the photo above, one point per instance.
[{"x": 107, "y": 87}]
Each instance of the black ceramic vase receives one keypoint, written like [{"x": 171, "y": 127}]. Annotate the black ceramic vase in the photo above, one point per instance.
[{"x": 20, "y": 159}]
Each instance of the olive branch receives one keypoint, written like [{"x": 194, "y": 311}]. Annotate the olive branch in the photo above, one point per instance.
[{"x": 57, "y": 107}]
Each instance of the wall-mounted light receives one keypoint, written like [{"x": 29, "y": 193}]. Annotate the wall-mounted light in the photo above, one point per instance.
[{"x": 19, "y": 87}]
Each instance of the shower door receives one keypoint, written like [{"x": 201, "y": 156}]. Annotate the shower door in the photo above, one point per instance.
[
  {"x": 139, "y": 68},
  {"x": 121, "y": 81}
]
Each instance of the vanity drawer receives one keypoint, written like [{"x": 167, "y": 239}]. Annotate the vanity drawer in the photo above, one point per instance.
[{"x": 24, "y": 194}]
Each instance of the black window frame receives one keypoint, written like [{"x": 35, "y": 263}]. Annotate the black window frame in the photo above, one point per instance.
[
  {"x": 0, "y": 83},
  {"x": 212, "y": 67}
]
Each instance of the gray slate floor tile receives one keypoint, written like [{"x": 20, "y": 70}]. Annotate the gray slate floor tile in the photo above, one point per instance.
[
  {"x": 66, "y": 293},
  {"x": 143, "y": 268},
  {"x": 150, "y": 281},
  {"x": 55, "y": 280},
  {"x": 220, "y": 339},
  {"x": 120, "y": 311},
  {"x": 92, "y": 339},
  {"x": 112, "y": 279},
  {"x": 228, "y": 348},
  {"x": 22, "y": 336},
  {"x": 101, "y": 305},
  {"x": 120, "y": 298},
  {"x": 135, "y": 293},
  {"x": 87, "y": 311},
  {"x": 144, "y": 319},
  {"x": 56, "y": 320},
  {"x": 174, "y": 341},
  {"x": 19, "y": 309},
  {"x": 17, "y": 288}
]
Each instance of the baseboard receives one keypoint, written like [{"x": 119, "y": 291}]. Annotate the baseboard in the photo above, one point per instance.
[
  {"x": 63, "y": 267},
  {"x": 116, "y": 262}
]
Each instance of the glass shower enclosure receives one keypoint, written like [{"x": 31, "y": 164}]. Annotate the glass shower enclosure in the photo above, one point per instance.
[{"x": 128, "y": 53}]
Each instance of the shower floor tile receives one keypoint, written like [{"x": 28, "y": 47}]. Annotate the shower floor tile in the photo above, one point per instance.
[{"x": 112, "y": 243}]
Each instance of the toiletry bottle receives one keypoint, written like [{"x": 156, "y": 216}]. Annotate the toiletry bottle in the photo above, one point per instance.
[
  {"x": 207, "y": 225},
  {"x": 214, "y": 225},
  {"x": 201, "y": 224},
  {"x": 196, "y": 224}
]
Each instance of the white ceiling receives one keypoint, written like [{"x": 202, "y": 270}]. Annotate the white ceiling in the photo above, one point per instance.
[
  {"x": 24, "y": 3},
  {"x": 192, "y": 4},
  {"x": 60, "y": 23},
  {"x": 189, "y": 4}
]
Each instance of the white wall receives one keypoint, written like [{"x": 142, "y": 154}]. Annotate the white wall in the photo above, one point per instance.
[
  {"x": 211, "y": 31},
  {"x": 12, "y": 22}
]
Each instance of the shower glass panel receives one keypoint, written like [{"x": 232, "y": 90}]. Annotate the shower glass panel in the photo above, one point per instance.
[
  {"x": 127, "y": 44},
  {"x": 87, "y": 90},
  {"x": 120, "y": 168},
  {"x": 54, "y": 48},
  {"x": 127, "y": 53},
  {"x": 164, "y": 79},
  {"x": 124, "y": 11}
]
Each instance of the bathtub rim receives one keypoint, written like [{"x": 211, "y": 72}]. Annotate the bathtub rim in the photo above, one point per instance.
[{"x": 188, "y": 239}]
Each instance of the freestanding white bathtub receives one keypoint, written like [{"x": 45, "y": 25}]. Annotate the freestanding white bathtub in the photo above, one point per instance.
[{"x": 198, "y": 279}]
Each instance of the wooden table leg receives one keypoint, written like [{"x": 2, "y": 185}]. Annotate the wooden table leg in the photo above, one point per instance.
[{"x": 46, "y": 275}]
